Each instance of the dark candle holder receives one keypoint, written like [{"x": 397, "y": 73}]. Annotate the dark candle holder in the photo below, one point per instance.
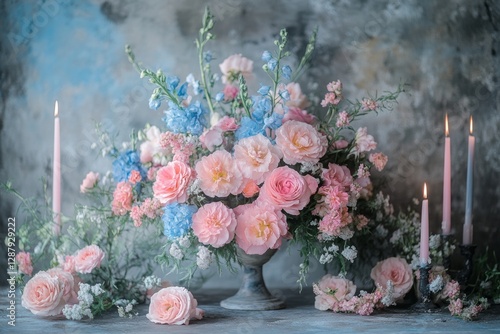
[
  {"x": 446, "y": 242},
  {"x": 467, "y": 252},
  {"x": 424, "y": 303}
]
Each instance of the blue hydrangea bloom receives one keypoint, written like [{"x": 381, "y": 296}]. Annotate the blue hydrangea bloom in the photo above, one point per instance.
[
  {"x": 274, "y": 121},
  {"x": 264, "y": 90},
  {"x": 287, "y": 71},
  {"x": 248, "y": 128},
  {"x": 219, "y": 97},
  {"x": 172, "y": 82},
  {"x": 125, "y": 164},
  {"x": 177, "y": 219},
  {"x": 192, "y": 119},
  {"x": 272, "y": 63},
  {"x": 266, "y": 56}
]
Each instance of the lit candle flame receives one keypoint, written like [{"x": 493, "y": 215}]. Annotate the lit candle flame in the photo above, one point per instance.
[
  {"x": 470, "y": 126},
  {"x": 446, "y": 130},
  {"x": 56, "y": 111},
  {"x": 425, "y": 190}
]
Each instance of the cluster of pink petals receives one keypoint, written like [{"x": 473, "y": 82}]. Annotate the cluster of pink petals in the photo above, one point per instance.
[
  {"x": 300, "y": 115},
  {"x": 172, "y": 182},
  {"x": 122, "y": 198},
  {"x": 260, "y": 227},
  {"x": 214, "y": 224},
  {"x": 336, "y": 175},
  {"x": 214, "y": 136},
  {"x": 342, "y": 119},
  {"x": 149, "y": 208},
  {"x": 151, "y": 149},
  {"x": 288, "y": 190},
  {"x": 361, "y": 221},
  {"x": 334, "y": 221},
  {"x": 219, "y": 175},
  {"x": 250, "y": 189},
  {"x": 173, "y": 306},
  {"x": 135, "y": 177},
  {"x": 363, "y": 141},
  {"x": 68, "y": 264},
  {"x": 230, "y": 92},
  {"x": 88, "y": 258},
  {"x": 300, "y": 143},
  {"x": 334, "y": 95},
  {"x": 379, "y": 160},
  {"x": 235, "y": 65},
  {"x": 89, "y": 182},
  {"x": 70, "y": 286},
  {"x": 369, "y": 104},
  {"x": 24, "y": 264},
  {"x": 178, "y": 145},
  {"x": 396, "y": 270},
  {"x": 297, "y": 99}
]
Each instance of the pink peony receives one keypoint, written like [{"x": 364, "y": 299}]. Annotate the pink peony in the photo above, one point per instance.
[
  {"x": 230, "y": 92},
  {"x": 43, "y": 295},
  {"x": 256, "y": 157},
  {"x": 250, "y": 189},
  {"x": 89, "y": 182},
  {"x": 173, "y": 306},
  {"x": 286, "y": 189},
  {"x": 379, "y": 160},
  {"x": 214, "y": 224},
  {"x": 135, "y": 177},
  {"x": 172, "y": 182},
  {"x": 260, "y": 227},
  {"x": 333, "y": 290},
  {"x": 122, "y": 198},
  {"x": 218, "y": 174},
  {"x": 364, "y": 142},
  {"x": 227, "y": 123},
  {"x": 297, "y": 114},
  {"x": 151, "y": 149},
  {"x": 297, "y": 98},
  {"x": 398, "y": 271},
  {"x": 88, "y": 258},
  {"x": 69, "y": 294},
  {"x": 23, "y": 260},
  {"x": 300, "y": 142},
  {"x": 235, "y": 65},
  {"x": 337, "y": 175}
]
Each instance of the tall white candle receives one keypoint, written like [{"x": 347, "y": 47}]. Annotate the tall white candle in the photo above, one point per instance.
[
  {"x": 467, "y": 233},
  {"x": 56, "y": 176},
  {"x": 446, "y": 225},
  {"x": 424, "y": 230}
]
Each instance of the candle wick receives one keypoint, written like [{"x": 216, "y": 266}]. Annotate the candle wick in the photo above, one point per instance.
[{"x": 56, "y": 110}]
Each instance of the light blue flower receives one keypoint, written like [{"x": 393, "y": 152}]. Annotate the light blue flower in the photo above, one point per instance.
[
  {"x": 125, "y": 164},
  {"x": 208, "y": 56},
  {"x": 177, "y": 219},
  {"x": 264, "y": 90},
  {"x": 154, "y": 102},
  {"x": 172, "y": 82},
  {"x": 287, "y": 71},
  {"x": 267, "y": 56},
  {"x": 274, "y": 121},
  {"x": 182, "y": 92},
  {"x": 248, "y": 128},
  {"x": 272, "y": 63},
  {"x": 219, "y": 97},
  {"x": 192, "y": 119},
  {"x": 285, "y": 95}
]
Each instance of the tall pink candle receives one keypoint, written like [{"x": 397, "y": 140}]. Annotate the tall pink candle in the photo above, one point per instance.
[
  {"x": 56, "y": 176},
  {"x": 424, "y": 230},
  {"x": 467, "y": 233},
  {"x": 446, "y": 225}
]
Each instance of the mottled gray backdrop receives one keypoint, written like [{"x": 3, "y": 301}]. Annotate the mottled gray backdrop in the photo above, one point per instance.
[{"x": 73, "y": 51}]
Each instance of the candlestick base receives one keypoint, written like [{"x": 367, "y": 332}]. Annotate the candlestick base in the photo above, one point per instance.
[
  {"x": 424, "y": 303},
  {"x": 467, "y": 252},
  {"x": 447, "y": 249}
]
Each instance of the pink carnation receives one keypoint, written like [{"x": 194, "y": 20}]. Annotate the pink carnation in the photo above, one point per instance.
[
  {"x": 337, "y": 175},
  {"x": 214, "y": 224},
  {"x": 334, "y": 221},
  {"x": 135, "y": 177},
  {"x": 256, "y": 157},
  {"x": 379, "y": 160},
  {"x": 335, "y": 197},
  {"x": 230, "y": 92},
  {"x": 88, "y": 258},
  {"x": 364, "y": 141},
  {"x": 122, "y": 198},
  {"x": 218, "y": 174},
  {"x": 342, "y": 119},
  {"x": 369, "y": 104},
  {"x": 332, "y": 290},
  {"x": 89, "y": 182},
  {"x": 69, "y": 264},
  {"x": 286, "y": 189},
  {"x": 23, "y": 260},
  {"x": 300, "y": 143},
  {"x": 227, "y": 123},
  {"x": 260, "y": 227},
  {"x": 43, "y": 295},
  {"x": 136, "y": 215},
  {"x": 69, "y": 294},
  {"x": 172, "y": 182},
  {"x": 173, "y": 306},
  {"x": 297, "y": 114},
  {"x": 235, "y": 65},
  {"x": 396, "y": 270}
]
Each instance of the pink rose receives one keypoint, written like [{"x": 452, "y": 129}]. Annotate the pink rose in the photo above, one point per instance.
[
  {"x": 250, "y": 189},
  {"x": 230, "y": 92},
  {"x": 235, "y": 65},
  {"x": 379, "y": 160},
  {"x": 398, "y": 271},
  {"x": 297, "y": 114},
  {"x": 43, "y": 295},
  {"x": 89, "y": 182},
  {"x": 218, "y": 174},
  {"x": 214, "y": 224},
  {"x": 337, "y": 175},
  {"x": 151, "y": 149},
  {"x": 331, "y": 290},
  {"x": 88, "y": 258},
  {"x": 122, "y": 198},
  {"x": 69, "y": 294},
  {"x": 69, "y": 264},
  {"x": 172, "y": 182},
  {"x": 260, "y": 227},
  {"x": 364, "y": 142},
  {"x": 300, "y": 142},
  {"x": 256, "y": 157},
  {"x": 173, "y": 306},
  {"x": 23, "y": 260},
  {"x": 227, "y": 123},
  {"x": 340, "y": 144},
  {"x": 286, "y": 189}
]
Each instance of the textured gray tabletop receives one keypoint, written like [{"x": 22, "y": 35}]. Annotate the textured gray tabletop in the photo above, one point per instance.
[{"x": 300, "y": 316}]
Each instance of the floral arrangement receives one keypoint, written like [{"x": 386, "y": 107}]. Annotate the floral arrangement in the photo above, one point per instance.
[{"x": 224, "y": 170}]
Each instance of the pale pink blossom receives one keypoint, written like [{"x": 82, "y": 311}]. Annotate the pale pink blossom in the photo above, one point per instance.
[
  {"x": 337, "y": 175},
  {"x": 361, "y": 221},
  {"x": 297, "y": 114},
  {"x": 24, "y": 264},
  {"x": 451, "y": 290},
  {"x": 396, "y": 270},
  {"x": 340, "y": 144},
  {"x": 151, "y": 208},
  {"x": 230, "y": 92},
  {"x": 250, "y": 188},
  {"x": 218, "y": 174},
  {"x": 369, "y": 104},
  {"x": 331, "y": 99},
  {"x": 211, "y": 138},
  {"x": 136, "y": 215},
  {"x": 88, "y": 258},
  {"x": 456, "y": 306},
  {"x": 89, "y": 182},
  {"x": 151, "y": 149},
  {"x": 135, "y": 177},
  {"x": 43, "y": 295},
  {"x": 297, "y": 98},
  {"x": 122, "y": 198},
  {"x": 379, "y": 160},
  {"x": 152, "y": 173},
  {"x": 286, "y": 189},
  {"x": 332, "y": 290},
  {"x": 300, "y": 143},
  {"x": 173, "y": 306},
  {"x": 235, "y": 65},
  {"x": 256, "y": 157},
  {"x": 214, "y": 224},
  {"x": 342, "y": 119},
  {"x": 363, "y": 141},
  {"x": 227, "y": 123},
  {"x": 334, "y": 221},
  {"x": 69, "y": 264},
  {"x": 69, "y": 294},
  {"x": 335, "y": 87},
  {"x": 260, "y": 227},
  {"x": 172, "y": 182},
  {"x": 335, "y": 197}
]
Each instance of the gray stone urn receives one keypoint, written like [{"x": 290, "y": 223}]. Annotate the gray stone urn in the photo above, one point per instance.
[{"x": 253, "y": 294}]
